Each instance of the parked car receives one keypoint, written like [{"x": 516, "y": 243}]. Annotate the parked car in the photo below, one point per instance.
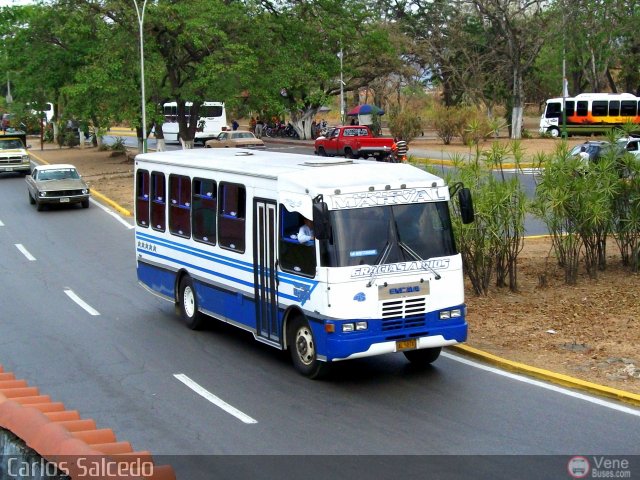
[
  {"x": 353, "y": 141},
  {"x": 594, "y": 148},
  {"x": 57, "y": 184},
  {"x": 235, "y": 138},
  {"x": 631, "y": 144}
]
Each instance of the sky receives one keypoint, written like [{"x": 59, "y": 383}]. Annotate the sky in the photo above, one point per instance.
[{"x": 11, "y": 3}]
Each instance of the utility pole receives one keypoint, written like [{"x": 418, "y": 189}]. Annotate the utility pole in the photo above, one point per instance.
[
  {"x": 341, "y": 89},
  {"x": 564, "y": 76},
  {"x": 140, "y": 14}
]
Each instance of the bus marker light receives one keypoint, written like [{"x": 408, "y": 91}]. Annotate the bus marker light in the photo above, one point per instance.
[{"x": 329, "y": 327}]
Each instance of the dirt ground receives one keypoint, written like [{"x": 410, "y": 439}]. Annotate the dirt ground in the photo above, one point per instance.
[{"x": 590, "y": 331}]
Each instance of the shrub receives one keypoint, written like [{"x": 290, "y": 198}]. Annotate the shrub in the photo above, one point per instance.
[
  {"x": 447, "y": 122},
  {"x": 494, "y": 240},
  {"x": 405, "y": 125},
  {"x": 118, "y": 145}
]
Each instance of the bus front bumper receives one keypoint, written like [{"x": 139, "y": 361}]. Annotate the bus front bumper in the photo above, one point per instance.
[{"x": 346, "y": 349}]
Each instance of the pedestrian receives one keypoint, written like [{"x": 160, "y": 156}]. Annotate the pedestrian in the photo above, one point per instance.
[
  {"x": 259, "y": 127},
  {"x": 401, "y": 150},
  {"x": 584, "y": 160},
  {"x": 252, "y": 125},
  {"x": 234, "y": 125}
]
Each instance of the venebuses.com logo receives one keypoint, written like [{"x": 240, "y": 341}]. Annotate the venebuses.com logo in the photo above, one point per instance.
[
  {"x": 598, "y": 467},
  {"x": 579, "y": 467}
]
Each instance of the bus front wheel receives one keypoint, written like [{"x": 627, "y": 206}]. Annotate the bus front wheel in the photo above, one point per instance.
[
  {"x": 188, "y": 303},
  {"x": 302, "y": 347},
  {"x": 554, "y": 132},
  {"x": 423, "y": 357}
]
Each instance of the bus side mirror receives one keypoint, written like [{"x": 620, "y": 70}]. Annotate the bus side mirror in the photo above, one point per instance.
[
  {"x": 321, "y": 226},
  {"x": 466, "y": 205}
]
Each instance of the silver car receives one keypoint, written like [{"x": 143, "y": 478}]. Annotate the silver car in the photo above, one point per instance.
[{"x": 57, "y": 184}]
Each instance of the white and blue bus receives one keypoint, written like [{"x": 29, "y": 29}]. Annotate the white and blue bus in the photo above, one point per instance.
[
  {"x": 217, "y": 234},
  {"x": 212, "y": 119}
]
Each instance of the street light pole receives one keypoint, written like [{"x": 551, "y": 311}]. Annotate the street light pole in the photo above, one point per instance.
[
  {"x": 140, "y": 14},
  {"x": 565, "y": 92},
  {"x": 341, "y": 89}
]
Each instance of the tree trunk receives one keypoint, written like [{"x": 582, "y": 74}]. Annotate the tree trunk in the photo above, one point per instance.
[
  {"x": 302, "y": 123},
  {"x": 187, "y": 125},
  {"x": 186, "y": 144},
  {"x": 56, "y": 131},
  {"x": 517, "y": 110}
]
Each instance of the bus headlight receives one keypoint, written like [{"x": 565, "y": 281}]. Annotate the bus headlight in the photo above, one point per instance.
[
  {"x": 347, "y": 327},
  {"x": 361, "y": 325},
  {"x": 448, "y": 314}
]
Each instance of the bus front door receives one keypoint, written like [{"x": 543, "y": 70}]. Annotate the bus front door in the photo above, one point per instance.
[{"x": 264, "y": 269}]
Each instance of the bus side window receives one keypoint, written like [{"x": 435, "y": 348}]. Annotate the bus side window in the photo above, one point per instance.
[
  {"x": 158, "y": 201},
  {"x": 295, "y": 257},
  {"x": 628, "y": 108},
  {"x": 600, "y": 108},
  {"x": 583, "y": 108},
  {"x": 180, "y": 205},
  {"x": 571, "y": 107},
  {"x": 553, "y": 110},
  {"x": 231, "y": 216},
  {"x": 614, "y": 108},
  {"x": 142, "y": 198},
  {"x": 204, "y": 210}
]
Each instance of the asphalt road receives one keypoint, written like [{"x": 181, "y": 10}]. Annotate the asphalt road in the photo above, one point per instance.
[{"x": 114, "y": 356}]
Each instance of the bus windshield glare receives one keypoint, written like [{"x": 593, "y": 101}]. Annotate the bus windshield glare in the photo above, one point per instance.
[{"x": 389, "y": 234}]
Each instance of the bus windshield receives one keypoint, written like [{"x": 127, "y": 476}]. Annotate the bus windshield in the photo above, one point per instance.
[{"x": 389, "y": 234}]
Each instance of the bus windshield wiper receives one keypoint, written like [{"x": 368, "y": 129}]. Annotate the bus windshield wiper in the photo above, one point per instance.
[
  {"x": 415, "y": 256},
  {"x": 383, "y": 258}
]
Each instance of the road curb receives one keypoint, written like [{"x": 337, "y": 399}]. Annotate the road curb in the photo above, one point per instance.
[
  {"x": 94, "y": 192},
  {"x": 547, "y": 375}
]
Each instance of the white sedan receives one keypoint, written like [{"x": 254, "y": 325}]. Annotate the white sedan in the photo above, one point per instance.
[
  {"x": 235, "y": 138},
  {"x": 57, "y": 184}
]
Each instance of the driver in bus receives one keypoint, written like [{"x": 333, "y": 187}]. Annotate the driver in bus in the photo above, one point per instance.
[{"x": 305, "y": 233}]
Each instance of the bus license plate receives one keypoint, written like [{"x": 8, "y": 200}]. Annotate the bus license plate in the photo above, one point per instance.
[
  {"x": 410, "y": 344},
  {"x": 64, "y": 200}
]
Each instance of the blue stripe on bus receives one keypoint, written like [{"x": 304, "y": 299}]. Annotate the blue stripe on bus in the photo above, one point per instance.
[
  {"x": 294, "y": 281},
  {"x": 229, "y": 262},
  {"x": 234, "y": 306}
]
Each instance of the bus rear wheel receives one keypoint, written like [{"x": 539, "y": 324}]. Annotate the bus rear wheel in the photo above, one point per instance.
[
  {"x": 302, "y": 347},
  {"x": 423, "y": 357},
  {"x": 188, "y": 304}
]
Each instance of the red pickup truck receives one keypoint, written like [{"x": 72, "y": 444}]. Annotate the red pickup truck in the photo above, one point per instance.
[{"x": 353, "y": 141}]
